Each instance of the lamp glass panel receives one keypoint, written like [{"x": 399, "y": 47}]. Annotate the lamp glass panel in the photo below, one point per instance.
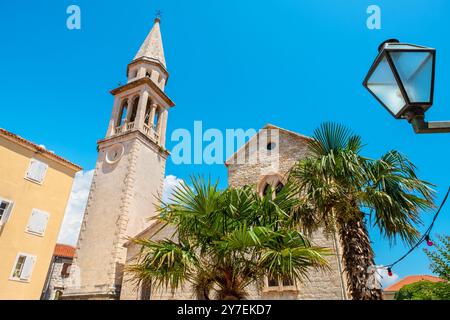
[
  {"x": 403, "y": 46},
  {"x": 383, "y": 85},
  {"x": 415, "y": 71}
]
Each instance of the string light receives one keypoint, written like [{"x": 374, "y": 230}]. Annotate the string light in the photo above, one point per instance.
[
  {"x": 429, "y": 242},
  {"x": 425, "y": 237},
  {"x": 389, "y": 270}
]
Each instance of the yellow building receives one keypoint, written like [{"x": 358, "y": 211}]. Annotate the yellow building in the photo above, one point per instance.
[{"x": 35, "y": 185}]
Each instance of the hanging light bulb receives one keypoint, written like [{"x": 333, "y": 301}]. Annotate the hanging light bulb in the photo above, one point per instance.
[
  {"x": 429, "y": 242},
  {"x": 389, "y": 272}
]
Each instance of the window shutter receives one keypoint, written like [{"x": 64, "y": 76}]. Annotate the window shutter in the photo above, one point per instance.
[
  {"x": 42, "y": 170},
  {"x": 38, "y": 222},
  {"x": 37, "y": 170},
  {"x": 31, "y": 173},
  {"x": 28, "y": 268},
  {"x": 6, "y": 213}
]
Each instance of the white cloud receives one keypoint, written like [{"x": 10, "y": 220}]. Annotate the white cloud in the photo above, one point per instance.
[
  {"x": 75, "y": 208},
  {"x": 384, "y": 278},
  {"x": 78, "y": 199},
  {"x": 170, "y": 184}
]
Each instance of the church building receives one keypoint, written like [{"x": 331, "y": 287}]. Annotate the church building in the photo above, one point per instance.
[{"x": 130, "y": 171}]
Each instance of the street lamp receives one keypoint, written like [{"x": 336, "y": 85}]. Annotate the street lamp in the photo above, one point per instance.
[{"x": 402, "y": 80}]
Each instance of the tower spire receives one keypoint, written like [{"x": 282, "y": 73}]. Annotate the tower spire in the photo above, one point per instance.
[{"x": 152, "y": 48}]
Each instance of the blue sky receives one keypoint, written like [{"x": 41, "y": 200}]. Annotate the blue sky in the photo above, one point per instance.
[{"x": 232, "y": 64}]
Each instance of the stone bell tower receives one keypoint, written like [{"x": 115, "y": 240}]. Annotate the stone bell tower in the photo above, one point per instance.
[{"x": 128, "y": 175}]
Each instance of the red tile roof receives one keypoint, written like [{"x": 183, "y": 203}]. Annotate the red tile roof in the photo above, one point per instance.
[
  {"x": 411, "y": 279},
  {"x": 63, "y": 250}
]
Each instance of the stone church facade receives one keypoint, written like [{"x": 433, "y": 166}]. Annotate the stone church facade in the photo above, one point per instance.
[
  {"x": 130, "y": 172},
  {"x": 257, "y": 166}
]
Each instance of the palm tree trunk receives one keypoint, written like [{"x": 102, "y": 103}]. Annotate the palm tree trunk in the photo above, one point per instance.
[{"x": 358, "y": 257}]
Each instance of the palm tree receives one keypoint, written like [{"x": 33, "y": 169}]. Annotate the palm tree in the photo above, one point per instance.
[
  {"x": 226, "y": 241},
  {"x": 344, "y": 191}
]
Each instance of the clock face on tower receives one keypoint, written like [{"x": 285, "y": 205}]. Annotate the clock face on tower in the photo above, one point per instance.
[{"x": 114, "y": 153}]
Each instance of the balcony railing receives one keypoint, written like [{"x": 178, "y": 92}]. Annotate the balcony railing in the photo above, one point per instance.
[
  {"x": 124, "y": 128},
  {"x": 149, "y": 131}
]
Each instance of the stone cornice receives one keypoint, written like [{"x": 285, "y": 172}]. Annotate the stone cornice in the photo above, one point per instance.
[
  {"x": 148, "y": 82},
  {"x": 149, "y": 61},
  {"x": 139, "y": 135}
]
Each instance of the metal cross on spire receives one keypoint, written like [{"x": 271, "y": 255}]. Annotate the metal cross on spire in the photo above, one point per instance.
[{"x": 158, "y": 14}]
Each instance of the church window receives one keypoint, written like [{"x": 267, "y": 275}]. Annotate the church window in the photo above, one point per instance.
[
  {"x": 123, "y": 114},
  {"x": 284, "y": 283},
  {"x": 148, "y": 73},
  {"x": 266, "y": 189},
  {"x": 270, "y": 183},
  {"x": 288, "y": 282},
  {"x": 272, "y": 282},
  {"x": 271, "y": 146},
  {"x": 148, "y": 110},
  {"x": 279, "y": 187},
  {"x": 65, "y": 270},
  {"x": 58, "y": 295},
  {"x": 134, "y": 110},
  {"x": 157, "y": 117},
  {"x": 37, "y": 222},
  {"x": 146, "y": 291}
]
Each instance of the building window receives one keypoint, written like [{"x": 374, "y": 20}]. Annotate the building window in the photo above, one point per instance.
[
  {"x": 37, "y": 222},
  {"x": 266, "y": 189},
  {"x": 23, "y": 267},
  {"x": 65, "y": 270},
  {"x": 5, "y": 211},
  {"x": 157, "y": 118},
  {"x": 123, "y": 114},
  {"x": 58, "y": 295},
  {"x": 278, "y": 284},
  {"x": 146, "y": 291},
  {"x": 272, "y": 282},
  {"x": 36, "y": 171},
  {"x": 148, "y": 110},
  {"x": 271, "y": 146},
  {"x": 270, "y": 183}
]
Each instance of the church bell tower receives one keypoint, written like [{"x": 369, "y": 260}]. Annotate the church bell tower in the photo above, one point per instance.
[{"x": 129, "y": 173}]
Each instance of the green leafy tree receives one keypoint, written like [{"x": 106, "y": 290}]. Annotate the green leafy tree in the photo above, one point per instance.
[
  {"x": 226, "y": 241},
  {"x": 344, "y": 191},
  {"x": 440, "y": 258},
  {"x": 424, "y": 290}
]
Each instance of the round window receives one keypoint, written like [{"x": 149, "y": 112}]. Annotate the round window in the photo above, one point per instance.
[{"x": 271, "y": 145}]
